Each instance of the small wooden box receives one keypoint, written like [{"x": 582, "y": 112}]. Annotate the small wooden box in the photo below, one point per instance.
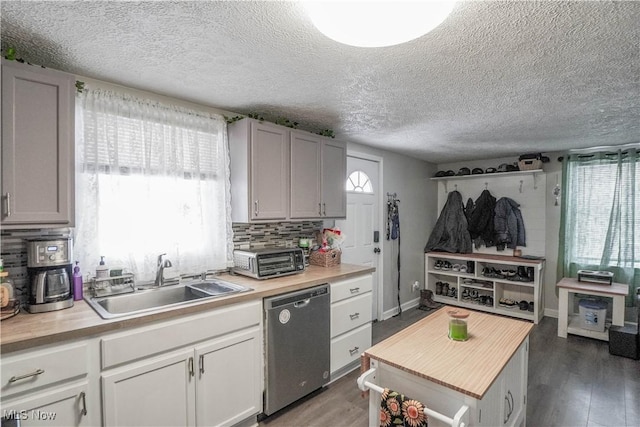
[{"x": 325, "y": 259}]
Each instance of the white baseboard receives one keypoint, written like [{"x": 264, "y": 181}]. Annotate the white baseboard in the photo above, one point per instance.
[
  {"x": 550, "y": 312},
  {"x": 406, "y": 306}
]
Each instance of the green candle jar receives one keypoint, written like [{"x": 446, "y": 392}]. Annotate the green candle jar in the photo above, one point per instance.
[{"x": 458, "y": 325}]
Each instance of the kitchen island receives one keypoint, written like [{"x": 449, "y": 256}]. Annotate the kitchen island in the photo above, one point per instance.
[{"x": 487, "y": 373}]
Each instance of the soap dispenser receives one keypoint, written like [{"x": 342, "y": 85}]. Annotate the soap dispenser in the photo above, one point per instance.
[
  {"x": 102, "y": 271},
  {"x": 77, "y": 283}
]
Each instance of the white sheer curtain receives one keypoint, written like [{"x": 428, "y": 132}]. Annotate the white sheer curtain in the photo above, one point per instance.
[{"x": 151, "y": 179}]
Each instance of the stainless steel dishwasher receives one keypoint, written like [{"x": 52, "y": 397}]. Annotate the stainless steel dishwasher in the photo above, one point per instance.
[{"x": 297, "y": 345}]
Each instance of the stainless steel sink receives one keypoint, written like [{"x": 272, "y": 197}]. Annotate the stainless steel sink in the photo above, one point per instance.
[{"x": 163, "y": 297}]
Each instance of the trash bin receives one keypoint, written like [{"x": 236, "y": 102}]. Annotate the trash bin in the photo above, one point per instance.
[{"x": 592, "y": 314}]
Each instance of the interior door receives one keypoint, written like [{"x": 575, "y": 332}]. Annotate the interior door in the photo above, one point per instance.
[{"x": 363, "y": 219}]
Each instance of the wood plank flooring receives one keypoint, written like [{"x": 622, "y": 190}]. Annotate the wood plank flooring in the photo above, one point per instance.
[{"x": 572, "y": 382}]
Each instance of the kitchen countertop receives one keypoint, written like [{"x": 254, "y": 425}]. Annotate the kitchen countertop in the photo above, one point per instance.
[
  {"x": 470, "y": 367},
  {"x": 80, "y": 321}
]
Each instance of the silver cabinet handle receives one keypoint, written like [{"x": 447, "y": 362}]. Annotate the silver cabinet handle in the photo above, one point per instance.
[
  {"x": 22, "y": 377},
  {"x": 324, "y": 209},
  {"x": 354, "y": 316},
  {"x": 354, "y": 290},
  {"x": 8, "y": 201},
  {"x": 319, "y": 208},
  {"x": 191, "y": 371},
  {"x": 354, "y": 351},
  {"x": 84, "y": 403},
  {"x": 256, "y": 210},
  {"x": 201, "y": 363}
]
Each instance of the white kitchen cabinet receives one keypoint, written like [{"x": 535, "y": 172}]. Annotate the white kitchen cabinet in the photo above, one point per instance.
[
  {"x": 61, "y": 406},
  {"x": 351, "y": 308},
  {"x": 259, "y": 155},
  {"x": 479, "y": 289},
  {"x": 203, "y": 370},
  {"x": 490, "y": 411},
  {"x": 229, "y": 374},
  {"x": 51, "y": 386},
  {"x": 155, "y": 392},
  {"x": 318, "y": 174},
  {"x": 279, "y": 174},
  {"x": 37, "y": 147}
]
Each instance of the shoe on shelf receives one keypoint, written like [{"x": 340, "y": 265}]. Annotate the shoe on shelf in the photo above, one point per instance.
[
  {"x": 530, "y": 308},
  {"x": 437, "y": 265},
  {"x": 524, "y": 306},
  {"x": 508, "y": 303},
  {"x": 438, "y": 288}
]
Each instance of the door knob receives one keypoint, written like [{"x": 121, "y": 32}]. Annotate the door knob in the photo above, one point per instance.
[{"x": 376, "y": 250}]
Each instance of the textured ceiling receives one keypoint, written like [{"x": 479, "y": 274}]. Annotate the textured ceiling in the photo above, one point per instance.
[{"x": 495, "y": 79}]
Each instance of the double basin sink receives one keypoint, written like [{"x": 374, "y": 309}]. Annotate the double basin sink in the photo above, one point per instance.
[{"x": 145, "y": 300}]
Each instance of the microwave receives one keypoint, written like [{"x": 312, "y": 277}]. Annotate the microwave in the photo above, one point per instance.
[{"x": 266, "y": 263}]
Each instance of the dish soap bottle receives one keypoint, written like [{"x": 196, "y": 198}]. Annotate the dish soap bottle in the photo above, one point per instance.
[
  {"x": 77, "y": 283},
  {"x": 102, "y": 271}
]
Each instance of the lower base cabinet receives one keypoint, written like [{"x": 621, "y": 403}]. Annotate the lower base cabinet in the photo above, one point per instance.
[
  {"x": 213, "y": 384},
  {"x": 61, "y": 406},
  {"x": 210, "y": 382}
]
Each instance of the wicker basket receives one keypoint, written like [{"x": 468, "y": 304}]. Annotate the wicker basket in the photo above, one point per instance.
[
  {"x": 325, "y": 259},
  {"x": 529, "y": 164}
]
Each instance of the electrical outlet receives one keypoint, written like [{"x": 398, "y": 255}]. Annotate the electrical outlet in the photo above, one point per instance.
[{"x": 415, "y": 286}]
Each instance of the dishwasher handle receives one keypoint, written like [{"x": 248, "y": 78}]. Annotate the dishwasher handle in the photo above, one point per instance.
[{"x": 302, "y": 303}]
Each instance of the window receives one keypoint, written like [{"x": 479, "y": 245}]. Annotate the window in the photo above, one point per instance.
[
  {"x": 359, "y": 182},
  {"x": 601, "y": 214},
  {"x": 151, "y": 179}
]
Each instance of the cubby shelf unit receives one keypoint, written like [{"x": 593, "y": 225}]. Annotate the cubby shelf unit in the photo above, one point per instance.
[{"x": 496, "y": 288}]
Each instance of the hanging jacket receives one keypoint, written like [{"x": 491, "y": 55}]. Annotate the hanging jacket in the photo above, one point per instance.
[
  {"x": 508, "y": 224},
  {"x": 481, "y": 226},
  {"x": 450, "y": 233}
]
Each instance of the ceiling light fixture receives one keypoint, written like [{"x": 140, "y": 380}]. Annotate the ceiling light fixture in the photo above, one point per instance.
[{"x": 376, "y": 23}]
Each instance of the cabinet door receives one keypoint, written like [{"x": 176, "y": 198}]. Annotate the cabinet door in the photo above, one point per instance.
[
  {"x": 514, "y": 388},
  {"x": 269, "y": 172},
  {"x": 60, "y": 406},
  {"x": 37, "y": 147},
  {"x": 334, "y": 176},
  {"x": 157, "y": 392},
  {"x": 229, "y": 387},
  {"x": 305, "y": 175}
]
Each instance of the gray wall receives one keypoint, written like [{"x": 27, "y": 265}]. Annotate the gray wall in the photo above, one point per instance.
[{"x": 409, "y": 179}]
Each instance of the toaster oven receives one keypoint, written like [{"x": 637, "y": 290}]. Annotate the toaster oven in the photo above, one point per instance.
[{"x": 268, "y": 262}]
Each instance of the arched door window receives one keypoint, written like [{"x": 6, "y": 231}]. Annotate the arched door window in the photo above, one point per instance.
[{"x": 359, "y": 182}]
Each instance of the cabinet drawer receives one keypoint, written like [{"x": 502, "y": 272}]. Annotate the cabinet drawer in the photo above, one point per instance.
[
  {"x": 351, "y": 287},
  {"x": 350, "y": 313},
  {"x": 34, "y": 369},
  {"x": 347, "y": 348},
  {"x": 142, "y": 342}
]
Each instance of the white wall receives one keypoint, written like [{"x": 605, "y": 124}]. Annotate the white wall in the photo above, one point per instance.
[
  {"x": 409, "y": 179},
  {"x": 553, "y": 174}
]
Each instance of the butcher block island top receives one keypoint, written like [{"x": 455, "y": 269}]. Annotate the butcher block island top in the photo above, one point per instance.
[
  {"x": 29, "y": 330},
  {"x": 469, "y": 367}
]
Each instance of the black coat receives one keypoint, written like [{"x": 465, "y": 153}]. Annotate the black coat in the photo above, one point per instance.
[
  {"x": 509, "y": 225},
  {"x": 450, "y": 233},
  {"x": 481, "y": 220}
]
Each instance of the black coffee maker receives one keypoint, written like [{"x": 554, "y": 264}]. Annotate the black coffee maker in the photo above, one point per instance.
[{"x": 49, "y": 271}]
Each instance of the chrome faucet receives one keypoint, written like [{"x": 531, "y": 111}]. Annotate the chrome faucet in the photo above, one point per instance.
[{"x": 162, "y": 264}]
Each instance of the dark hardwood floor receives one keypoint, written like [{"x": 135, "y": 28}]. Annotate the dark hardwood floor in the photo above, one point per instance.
[{"x": 572, "y": 382}]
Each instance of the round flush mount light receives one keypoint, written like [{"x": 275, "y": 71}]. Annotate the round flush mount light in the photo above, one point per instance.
[{"x": 376, "y": 23}]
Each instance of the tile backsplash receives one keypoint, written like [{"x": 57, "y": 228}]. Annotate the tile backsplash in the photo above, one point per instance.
[
  {"x": 246, "y": 236},
  {"x": 13, "y": 247}
]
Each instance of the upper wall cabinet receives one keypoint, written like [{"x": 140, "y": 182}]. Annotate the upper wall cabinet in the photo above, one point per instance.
[
  {"x": 259, "y": 171},
  {"x": 280, "y": 174},
  {"x": 318, "y": 174},
  {"x": 37, "y": 147}
]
